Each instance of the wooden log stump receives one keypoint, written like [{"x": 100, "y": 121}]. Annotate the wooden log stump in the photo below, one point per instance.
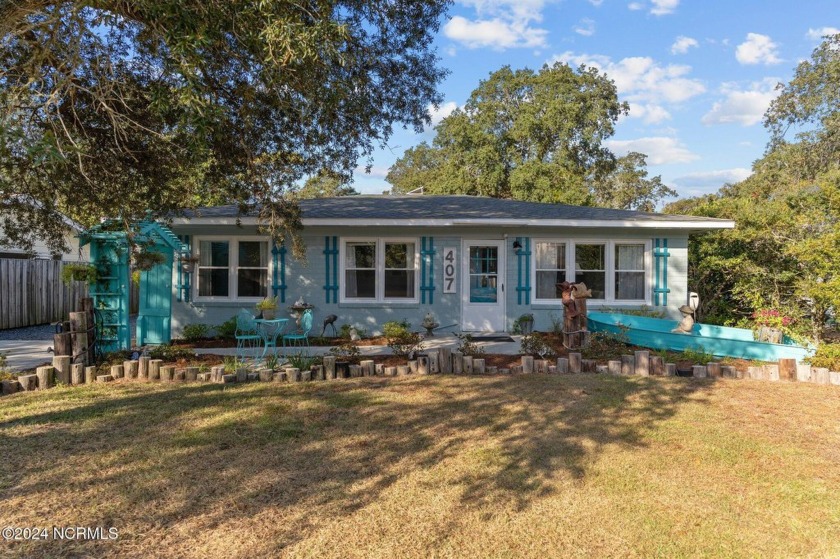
[
  {"x": 265, "y": 375},
  {"x": 412, "y": 367},
  {"x": 714, "y": 369},
  {"x": 180, "y": 375},
  {"x": 79, "y": 337},
  {"x": 104, "y": 378},
  {"x": 588, "y": 365},
  {"x": 727, "y": 371},
  {"x": 390, "y": 371},
  {"x": 601, "y": 369},
  {"x": 787, "y": 369},
  {"x": 10, "y": 386},
  {"x": 131, "y": 368},
  {"x": 167, "y": 373},
  {"x": 241, "y": 374},
  {"x": 834, "y": 378},
  {"x": 143, "y": 368},
  {"x": 771, "y": 372},
  {"x": 819, "y": 375},
  {"x": 117, "y": 371},
  {"x": 541, "y": 366},
  {"x": 355, "y": 371},
  {"x": 755, "y": 373},
  {"x": 657, "y": 366},
  {"x": 628, "y": 364},
  {"x": 191, "y": 373},
  {"x": 457, "y": 363},
  {"x": 671, "y": 369},
  {"x": 434, "y": 362},
  {"x": 699, "y": 371},
  {"x": 318, "y": 373},
  {"x": 422, "y": 364},
  {"x": 46, "y": 377},
  {"x": 575, "y": 363},
  {"x": 478, "y": 366},
  {"x": 306, "y": 376},
  {"x": 61, "y": 363},
  {"x": 527, "y": 362},
  {"x": 342, "y": 369},
  {"x": 379, "y": 370},
  {"x": 90, "y": 374},
  {"x": 154, "y": 369},
  {"x": 367, "y": 366},
  {"x": 402, "y": 370},
  {"x": 445, "y": 359},
  {"x": 803, "y": 373},
  {"x": 216, "y": 373},
  {"x": 279, "y": 377},
  {"x": 491, "y": 370},
  {"x": 77, "y": 373},
  {"x": 552, "y": 369},
  {"x": 468, "y": 364},
  {"x": 229, "y": 379},
  {"x": 563, "y": 365},
  {"x": 516, "y": 370},
  {"x": 28, "y": 383},
  {"x": 504, "y": 371},
  {"x": 614, "y": 367},
  {"x": 329, "y": 367},
  {"x": 642, "y": 362},
  {"x": 293, "y": 373}
]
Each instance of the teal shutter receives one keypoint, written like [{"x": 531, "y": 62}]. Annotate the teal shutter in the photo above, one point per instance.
[
  {"x": 331, "y": 261},
  {"x": 427, "y": 269},
  {"x": 278, "y": 277},
  {"x": 523, "y": 271},
  {"x": 660, "y": 276}
]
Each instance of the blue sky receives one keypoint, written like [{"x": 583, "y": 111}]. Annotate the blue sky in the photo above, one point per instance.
[{"x": 697, "y": 74}]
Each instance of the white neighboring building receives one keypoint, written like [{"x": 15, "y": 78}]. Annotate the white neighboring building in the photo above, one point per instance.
[{"x": 42, "y": 252}]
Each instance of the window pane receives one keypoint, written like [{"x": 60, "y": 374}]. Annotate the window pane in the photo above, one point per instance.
[
  {"x": 484, "y": 260},
  {"x": 252, "y": 283},
  {"x": 360, "y": 284},
  {"x": 547, "y": 284},
  {"x": 483, "y": 289},
  {"x": 630, "y": 285},
  {"x": 213, "y": 253},
  {"x": 253, "y": 254},
  {"x": 590, "y": 257},
  {"x": 595, "y": 281},
  {"x": 399, "y": 284},
  {"x": 213, "y": 282},
  {"x": 360, "y": 255},
  {"x": 630, "y": 257},
  {"x": 399, "y": 256},
  {"x": 551, "y": 256}
]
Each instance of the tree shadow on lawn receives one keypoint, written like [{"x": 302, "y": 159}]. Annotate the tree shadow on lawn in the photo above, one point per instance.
[{"x": 148, "y": 457}]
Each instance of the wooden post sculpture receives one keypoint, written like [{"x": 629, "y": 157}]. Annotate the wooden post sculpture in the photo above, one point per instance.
[{"x": 573, "y": 297}]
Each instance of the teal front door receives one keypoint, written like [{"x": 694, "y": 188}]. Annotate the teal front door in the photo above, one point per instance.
[{"x": 155, "y": 312}]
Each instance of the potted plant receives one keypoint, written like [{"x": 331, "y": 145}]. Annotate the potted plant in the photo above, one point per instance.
[
  {"x": 268, "y": 307},
  {"x": 524, "y": 324}
]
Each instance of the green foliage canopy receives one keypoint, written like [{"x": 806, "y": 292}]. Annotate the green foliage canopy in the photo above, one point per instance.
[
  {"x": 113, "y": 108},
  {"x": 532, "y": 136}
]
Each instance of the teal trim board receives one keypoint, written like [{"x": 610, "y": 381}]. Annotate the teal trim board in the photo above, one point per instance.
[
  {"x": 331, "y": 261},
  {"x": 278, "y": 274},
  {"x": 427, "y": 269}
]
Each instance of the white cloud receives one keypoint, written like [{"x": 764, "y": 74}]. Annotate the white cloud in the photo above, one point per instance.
[
  {"x": 818, "y": 34},
  {"x": 659, "y": 149},
  {"x": 585, "y": 27},
  {"x": 682, "y": 44},
  {"x": 500, "y": 24},
  {"x": 643, "y": 82},
  {"x": 376, "y": 172},
  {"x": 635, "y": 6},
  {"x": 757, "y": 49},
  {"x": 696, "y": 184},
  {"x": 744, "y": 107},
  {"x": 596, "y": 3},
  {"x": 663, "y": 7},
  {"x": 441, "y": 112}
]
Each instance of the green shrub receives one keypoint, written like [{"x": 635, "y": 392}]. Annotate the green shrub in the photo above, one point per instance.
[
  {"x": 302, "y": 361},
  {"x": 699, "y": 356},
  {"x": 231, "y": 364},
  {"x": 344, "y": 331},
  {"x": 170, "y": 353},
  {"x": 536, "y": 344},
  {"x": 466, "y": 346},
  {"x": 271, "y": 361},
  {"x": 5, "y": 372},
  {"x": 227, "y": 329},
  {"x": 348, "y": 351},
  {"x": 605, "y": 345},
  {"x": 194, "y": 332},
  {"x": 402, "y": 341},
  {"x": 827, "y": 356},
  {"x": 79, "y": 272}
]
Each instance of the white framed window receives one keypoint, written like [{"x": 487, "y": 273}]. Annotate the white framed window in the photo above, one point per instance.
[
  {"x": 617, "y": 272},
  {"x": 550, "y": 269},
  {"x": 232, "y": 268},
  {"x": 379, "y": 270}
]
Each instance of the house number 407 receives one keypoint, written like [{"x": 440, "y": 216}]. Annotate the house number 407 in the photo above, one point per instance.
[{"x": 449, "y": 270}]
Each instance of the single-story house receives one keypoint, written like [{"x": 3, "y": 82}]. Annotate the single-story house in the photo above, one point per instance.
[
  {"x": 41, "y": 251},
  {"x": 475, "y": 263}
]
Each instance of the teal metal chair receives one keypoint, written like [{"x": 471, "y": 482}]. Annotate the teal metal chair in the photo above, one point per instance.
[
  {"x": 299, "y": 338},
  {"x": 248, "y": 337}
]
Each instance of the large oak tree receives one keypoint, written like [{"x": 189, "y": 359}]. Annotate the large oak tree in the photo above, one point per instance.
[{"x": 112, "y": 108}]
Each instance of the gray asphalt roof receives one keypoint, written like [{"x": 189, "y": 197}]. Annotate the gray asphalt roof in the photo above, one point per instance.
[{"x": 448, "y": 207}]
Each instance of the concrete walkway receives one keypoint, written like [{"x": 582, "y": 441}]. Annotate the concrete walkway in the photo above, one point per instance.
[{"x": 26, "y": 354}]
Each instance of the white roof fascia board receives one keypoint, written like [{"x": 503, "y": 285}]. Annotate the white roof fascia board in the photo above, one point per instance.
[{"x": 588, "y": 223}]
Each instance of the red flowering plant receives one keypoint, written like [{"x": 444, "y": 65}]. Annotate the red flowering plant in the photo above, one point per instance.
[{"x": 785, "y": 321}]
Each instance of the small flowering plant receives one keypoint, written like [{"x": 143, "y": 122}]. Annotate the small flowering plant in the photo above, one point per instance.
[{"x": 772, "y": 318}]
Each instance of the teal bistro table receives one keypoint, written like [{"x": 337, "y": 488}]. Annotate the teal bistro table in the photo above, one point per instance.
[{"x": 270, "y": 330}]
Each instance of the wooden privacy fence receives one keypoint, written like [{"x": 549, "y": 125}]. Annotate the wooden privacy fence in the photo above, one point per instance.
[{"x": 31, "y": 292}]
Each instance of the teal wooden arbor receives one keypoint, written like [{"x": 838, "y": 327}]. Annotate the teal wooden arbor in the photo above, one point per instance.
[{"x": 110, "y": 252}]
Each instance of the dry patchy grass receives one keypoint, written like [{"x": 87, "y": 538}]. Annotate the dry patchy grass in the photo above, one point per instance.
[{"x": 539, "y": 466}]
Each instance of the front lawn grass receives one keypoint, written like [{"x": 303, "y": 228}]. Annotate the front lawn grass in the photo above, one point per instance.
[{"x": 523, "y": 466}]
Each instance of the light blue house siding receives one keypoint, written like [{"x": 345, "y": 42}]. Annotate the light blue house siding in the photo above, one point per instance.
[{"x": 516, "y": 281}]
